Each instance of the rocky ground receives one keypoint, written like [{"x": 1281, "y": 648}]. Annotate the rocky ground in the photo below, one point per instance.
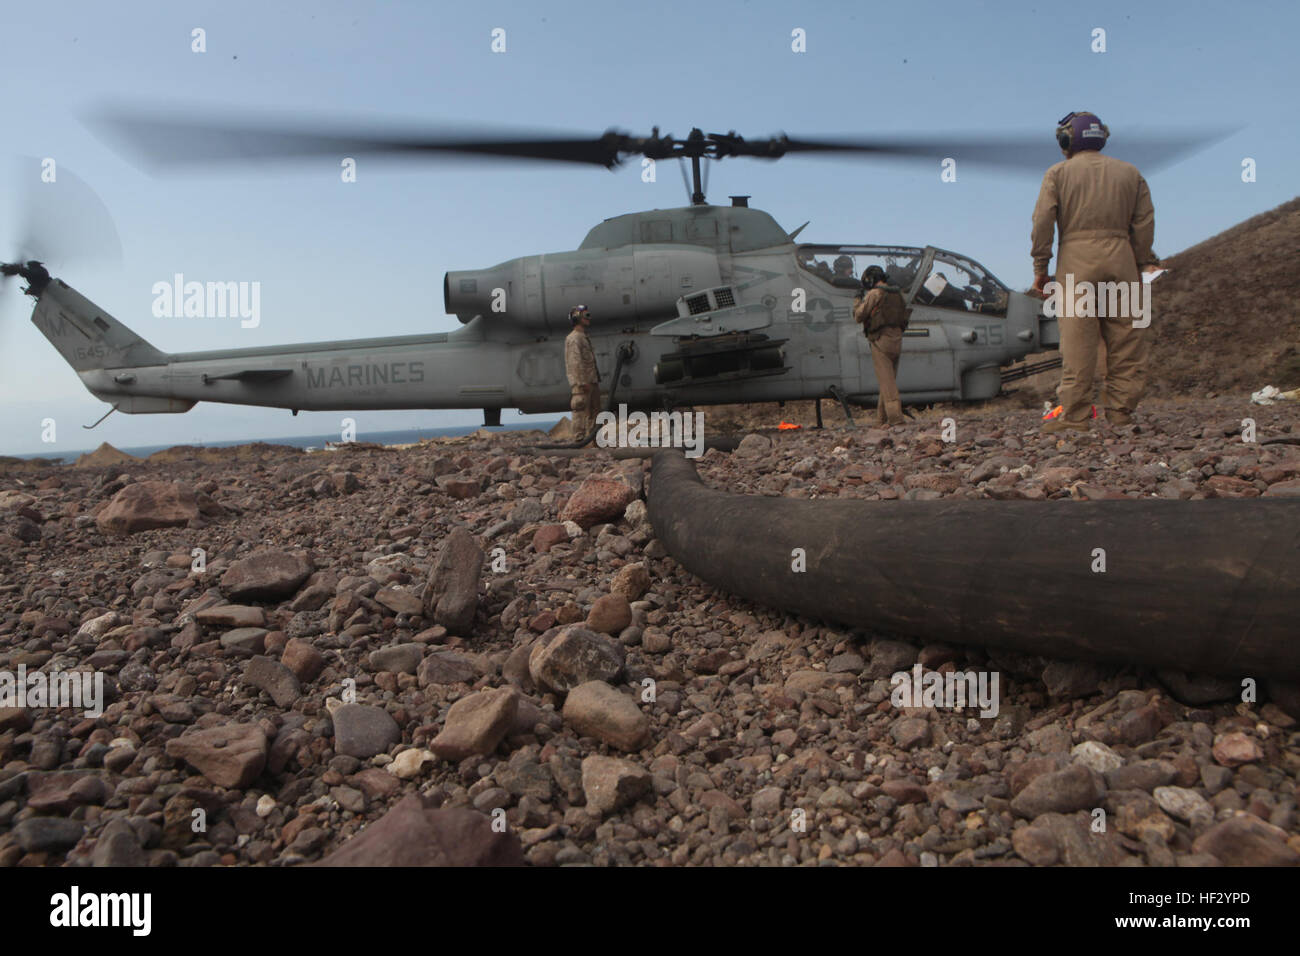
[{"x": 481, "y": 655}]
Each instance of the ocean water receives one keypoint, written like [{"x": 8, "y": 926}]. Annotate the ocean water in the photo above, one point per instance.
[{"x": 402, "y": 437}]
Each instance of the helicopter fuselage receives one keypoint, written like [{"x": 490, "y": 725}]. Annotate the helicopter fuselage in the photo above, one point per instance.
[{"x": 710, "y": 305}]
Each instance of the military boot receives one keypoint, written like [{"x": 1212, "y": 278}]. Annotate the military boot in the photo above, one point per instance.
[
  {"x": 894, "y": 413},
  {"x": 1060, "y": 425},
  {"x": 1117, "y": 418}
]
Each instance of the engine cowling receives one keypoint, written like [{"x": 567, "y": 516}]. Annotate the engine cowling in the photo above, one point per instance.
[{"x": 620, "y": 286}]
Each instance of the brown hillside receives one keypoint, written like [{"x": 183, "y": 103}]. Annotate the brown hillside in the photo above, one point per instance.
[
  {"x": 105, "y": 454},
  {"x": 1227, "y": 315}
]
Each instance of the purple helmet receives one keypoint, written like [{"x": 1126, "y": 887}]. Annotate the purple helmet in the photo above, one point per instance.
[{"x": 1082, "y": 130}]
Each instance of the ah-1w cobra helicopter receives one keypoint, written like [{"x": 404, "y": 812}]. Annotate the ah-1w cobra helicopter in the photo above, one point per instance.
[{"x": 697, "y": 305}]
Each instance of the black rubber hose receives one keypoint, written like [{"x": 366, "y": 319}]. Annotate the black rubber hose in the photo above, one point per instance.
[{"x": 1201, "y": 586}]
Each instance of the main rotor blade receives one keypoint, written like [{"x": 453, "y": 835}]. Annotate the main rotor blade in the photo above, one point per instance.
[
  {"x": 163, "y": 141},
  {"x": 1149, "y": 150}
]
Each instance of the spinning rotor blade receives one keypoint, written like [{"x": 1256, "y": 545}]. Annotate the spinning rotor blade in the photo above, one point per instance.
[
  {"x": 1148, "y": 150},
  {"x": 175, "y": 139},
  {"x": 59, "y": 218},
  {"x": 160, "y": 141}
]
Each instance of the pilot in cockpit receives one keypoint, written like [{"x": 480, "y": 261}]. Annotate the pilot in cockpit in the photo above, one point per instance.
[{"x": 843, "y": 273}]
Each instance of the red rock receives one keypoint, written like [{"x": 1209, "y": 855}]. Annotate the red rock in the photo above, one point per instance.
[
  {"x": 632, "y": 581},
  {"x": 609, "y": 614},
  {"x": 1284, "y": 489},
  {"x": 143, "y": 505},
  {"x": 460, "y": 489},
  {"x": 1272, "y": 474},
  {"x": 232, "y": 755},
  {"x": 476, "y": 724},
  {"x": 542, "y": 621},
  {"x": 612, "y": 782},
  {"x": 940, "y": 481},
  {"x": 1236, "y": 749},
  {"x": 303, "y": 659},
  {"x": 1227, "y": 486},
  {"x": 597, "y": 500},
  {"x": 548, "y": 536},
  {"x": 595, "y": 709},
  {"x": 411, "y": 834},
  {"x": 904, "y": 790}
]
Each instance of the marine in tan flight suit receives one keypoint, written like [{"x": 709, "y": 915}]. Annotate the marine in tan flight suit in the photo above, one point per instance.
[
  {"x": 882, "y": 313},
  {"x": 584, "y": 378},
  {"x": 1102, "y": 209}
]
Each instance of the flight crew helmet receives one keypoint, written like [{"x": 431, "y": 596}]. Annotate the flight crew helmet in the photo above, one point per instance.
[
  {"x": 873, "y": 275},
  {"x": 843, "y": 265},
  {"x": 577, "y": 313},
  {"x": 1081, "y": 130}
]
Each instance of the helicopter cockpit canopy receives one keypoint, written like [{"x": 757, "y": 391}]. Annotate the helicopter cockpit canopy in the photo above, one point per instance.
[{"x": 951, "y": 280}]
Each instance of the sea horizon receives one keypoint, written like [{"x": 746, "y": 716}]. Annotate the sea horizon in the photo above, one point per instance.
[{"x": 401, "y": 436}]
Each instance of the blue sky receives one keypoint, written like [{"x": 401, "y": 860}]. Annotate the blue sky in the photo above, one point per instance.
[{"x": 345, "y": 260}]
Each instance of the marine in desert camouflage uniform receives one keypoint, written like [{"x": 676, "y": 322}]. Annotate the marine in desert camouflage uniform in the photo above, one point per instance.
[{"x": 584, "y": 378}]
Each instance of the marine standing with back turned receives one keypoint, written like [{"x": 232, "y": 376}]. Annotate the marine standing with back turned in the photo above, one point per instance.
[
  {"x": 1102, "y": 210},
  {"x": 882, "y": 312},
  {"x": 584, "y": 378}
]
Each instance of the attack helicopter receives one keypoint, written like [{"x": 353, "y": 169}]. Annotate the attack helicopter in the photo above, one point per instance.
[{"x": 698, "y": 305}]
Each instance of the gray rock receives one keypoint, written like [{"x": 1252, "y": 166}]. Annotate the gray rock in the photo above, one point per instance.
[
  {"x": 399, "y": 658},
  {"x": 265, "y": 575},
  {"x": 451, "y": 595},
  {"x": 612, "y": 782},
  {"x": 274, "y": 678},
  {"x": 446, "y": 667},
  {"x": 249, "y": 639},
  {"x": 575, "y": 656},
  {"x": 1143, "y": 775},
  {"x": 1097, "y": 756},
  {"x": 1198, "y": 689},
  {"x": 910, "y": 732},
  {"x": 1070, "y": 679},
  {"x": 36, "y": 834},
  {"x": 1245, "y": 840},
  {"x": 362, "y": 731},
  {"x": 1061, "y": 791},
  {"x": 118, "y": 845},
  {"x": 1184, "y": 804},
  {"x": 890, "y": 657}
]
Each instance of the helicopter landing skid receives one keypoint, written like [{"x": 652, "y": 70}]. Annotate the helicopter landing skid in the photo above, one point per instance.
[{"x": 836, "y": 394}]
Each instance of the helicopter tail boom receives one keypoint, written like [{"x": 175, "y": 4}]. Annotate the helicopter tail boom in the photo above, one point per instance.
[{"x": 86, "y": 336}]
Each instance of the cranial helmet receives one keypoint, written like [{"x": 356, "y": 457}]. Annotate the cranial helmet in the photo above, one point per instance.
[
  {"x": 1082, "y": 130},
  {"x": 873, "y": 275},
  {"x": 577, "y": 312}
]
